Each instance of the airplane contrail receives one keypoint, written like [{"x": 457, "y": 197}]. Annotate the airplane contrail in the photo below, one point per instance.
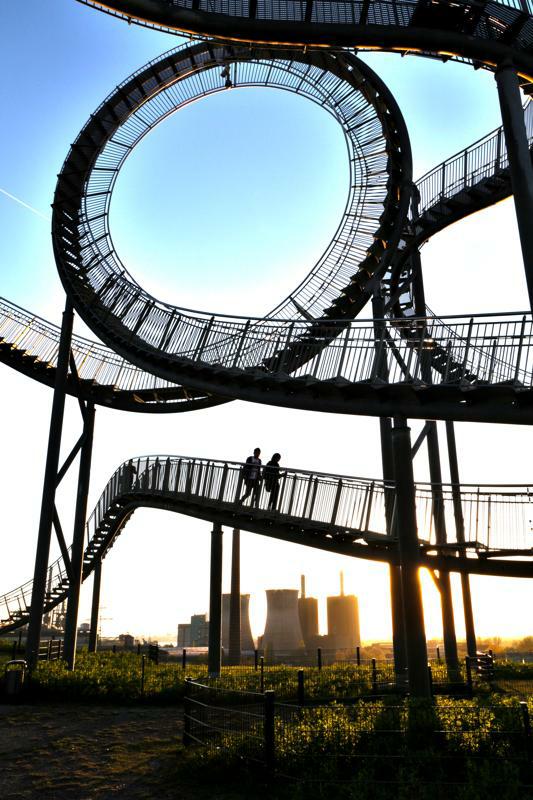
[{"x": 22, "y": 203}]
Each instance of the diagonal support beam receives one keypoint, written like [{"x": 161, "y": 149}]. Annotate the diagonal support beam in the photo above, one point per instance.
[
  {"x": 62, "y": 544},
  {"x": 69, "y": 459},
  {"x": 420, "y": 438}
]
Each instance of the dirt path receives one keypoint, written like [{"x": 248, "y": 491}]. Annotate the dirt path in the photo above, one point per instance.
[{"x": 77, "y": 752}]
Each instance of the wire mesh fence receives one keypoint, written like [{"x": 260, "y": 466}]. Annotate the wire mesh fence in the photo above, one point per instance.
[{"x": 383, "y": 741}]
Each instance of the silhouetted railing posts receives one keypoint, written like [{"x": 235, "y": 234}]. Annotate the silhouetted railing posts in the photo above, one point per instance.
[
  {"x": 319, "y": 658},
  {"x": 184, "y": 658},
  {"x": 187, "y": 708},
  {"x": 469, "y": 681},
  {"x": 374, "y": 677},
  {"x": 269, "y": 728},
  {"x": 301, "y": 688},
  {"x": 256, "y": 660},
  {"x": 262, "y": 674}
]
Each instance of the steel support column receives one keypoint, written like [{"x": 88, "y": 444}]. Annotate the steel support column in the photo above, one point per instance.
[
  {"x": 385, "y": 429},
  {"x": 49, "y": 489},
  {"x": 215, "y": 601},
  {"x": 235, "y": 601},
  {"x": 95, "y": 607},
  {"x": 445, "y": 585},
  {"x": 471, "y": 644},
  {"x": 520, "y": 166},
  {"x": 78, "y": 538},
  {"x": 398, "y": 627},
  {"x": 415, "y": 635}
]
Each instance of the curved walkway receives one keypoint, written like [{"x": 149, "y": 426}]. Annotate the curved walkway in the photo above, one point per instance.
[
  {"x": 484, "y": 34},
  {"x": 338, "y": 513},
  {"x": 317, "y": 358},
  {"x": 30, "y": 345}
]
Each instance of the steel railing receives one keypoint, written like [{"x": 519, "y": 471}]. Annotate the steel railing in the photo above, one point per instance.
[
  {"x": 34, "y": 336},
  {"x": 347, "y": 12},
  {"x": 493, "y": 517},
  {"x": 484, "y": 159}
]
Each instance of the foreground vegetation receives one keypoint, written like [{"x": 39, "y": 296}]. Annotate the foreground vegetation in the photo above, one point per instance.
[
  {"x": 120, "y": 678},
  {"x": 379, "y": 748}
]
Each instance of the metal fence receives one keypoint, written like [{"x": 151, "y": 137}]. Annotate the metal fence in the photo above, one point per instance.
[{"x": 334, "y": 743}]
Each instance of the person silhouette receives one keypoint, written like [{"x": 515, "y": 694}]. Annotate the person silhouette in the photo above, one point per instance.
[
  {"x": 251, "y": 475},
  {"x": 271, "y": 476}
]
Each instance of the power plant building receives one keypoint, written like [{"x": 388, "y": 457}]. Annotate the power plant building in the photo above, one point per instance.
[
  {"x": 283, "y": 632},
  {"x": 247, "y": 642},
  {"x": 343, "y": 620}
]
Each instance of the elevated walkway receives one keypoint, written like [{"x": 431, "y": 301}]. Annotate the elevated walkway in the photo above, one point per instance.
[
  {"x": 337, "y": 513},
  {"x": 483, "y": 34}
]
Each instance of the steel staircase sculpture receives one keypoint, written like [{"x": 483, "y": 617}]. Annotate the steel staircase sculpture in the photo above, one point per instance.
[
  {"x": 483, "y": 34},
  {"x": 468, "y": 181},
  {"x": 318, "y": 357},
  {"x": 338, "y": 513},
  {"x": 313, "y": 351}
]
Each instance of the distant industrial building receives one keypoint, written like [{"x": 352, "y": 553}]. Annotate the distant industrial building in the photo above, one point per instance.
[
  {"x": 308, "y": 614},
  {"x": 247, "y": 642},
  {"x": 343, "y": 620},
  {"x": 282, "y": 630},
  {"x": 194, "y": 633}
]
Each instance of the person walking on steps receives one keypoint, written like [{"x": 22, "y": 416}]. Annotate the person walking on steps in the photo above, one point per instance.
[
  {"x": 251, "y": 475},
  {"x": 271, "y": 476}
]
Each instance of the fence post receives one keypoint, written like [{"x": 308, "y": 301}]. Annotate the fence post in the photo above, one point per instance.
[
  {"x": 262, "y": 675},
  {"x": 430, "y": 677},
  {"x": 438, "y": 654},
  {"x": 301, "y": 689},
  {"x": 358, "y": 655},
  {"x": 256, "y": 659},
  {"x": 142, "y": 676},
  {"x": 187, "y": 713},
  {"x": 114, "y": 648},
  {"x": 527, "y": 728},
  {"x": 184, "y": 658},
  {"x": 49, "y": 653},
  {"x": 319, "y": 658},
  {"x": 138, "y": 648},
  {"x": 374, "y": 677},
  {"x": 469, "y": 682},
  {"x": 270, "y": 747}
]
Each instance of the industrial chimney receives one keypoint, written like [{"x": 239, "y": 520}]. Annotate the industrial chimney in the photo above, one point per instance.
[
  {"x": 308, "y": 614},
  {"x": 247, "y": 642}
]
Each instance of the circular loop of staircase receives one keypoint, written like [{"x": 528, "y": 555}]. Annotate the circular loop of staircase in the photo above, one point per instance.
[{"x": 163, "y": 338}]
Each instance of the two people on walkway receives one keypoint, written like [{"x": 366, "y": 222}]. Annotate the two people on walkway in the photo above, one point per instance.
[{"x": 253, "y": 475}]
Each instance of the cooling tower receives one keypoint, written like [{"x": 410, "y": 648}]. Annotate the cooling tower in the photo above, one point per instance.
[
  {"x": 282, "y": 629},
  {"x": 308, "y": 614},
  {"x": 343, "y": 622},
  {"x": 247, "y": 642}
]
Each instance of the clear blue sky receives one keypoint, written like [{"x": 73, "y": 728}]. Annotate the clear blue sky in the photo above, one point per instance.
[{"x": 225, "y": 207}]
